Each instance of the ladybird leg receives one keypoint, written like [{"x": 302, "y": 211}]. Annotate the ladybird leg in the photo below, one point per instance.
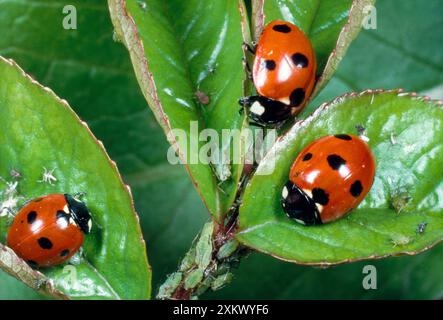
[
  {"x": 249, "y": 47},
  {"x": 256, "y": 124},
  {"x": 247, "y": 101},
  {"x": 247, "y": 68}
]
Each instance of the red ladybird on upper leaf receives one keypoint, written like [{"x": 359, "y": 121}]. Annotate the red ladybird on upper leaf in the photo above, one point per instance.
[
  {"x": 48, "y": 230},
  {"x": 329, "y": 178},
  {"x": 283, "y": 73}
]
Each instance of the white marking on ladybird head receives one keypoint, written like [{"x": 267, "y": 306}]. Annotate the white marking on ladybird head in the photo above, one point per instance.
[
  {"x": 285, "y": 100},
  {"x": 89, "y": 225},
  {"x": 308, "y": 192},
  {"x": 72, "y": 221},
  {"x": 319, "y": 207},
  {"x": 284, "y": 192},
  {"x": 257, "y": 108},
  {"x": 66, "y": 209}
]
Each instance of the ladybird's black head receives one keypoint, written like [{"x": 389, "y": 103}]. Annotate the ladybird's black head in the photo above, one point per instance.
[
  {"x": 266, "y": 111},
  {"x": 299, "y": 206},
  {"x": 80, "y": 213}
]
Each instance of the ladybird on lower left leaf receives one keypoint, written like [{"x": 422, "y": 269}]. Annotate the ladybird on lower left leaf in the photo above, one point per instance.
[{"x": 48, "y": 230}]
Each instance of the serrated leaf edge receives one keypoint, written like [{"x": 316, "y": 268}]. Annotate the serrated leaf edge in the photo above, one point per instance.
[
  {"x": 125, "y": 187},
  {"x": 279, "y": 145}
]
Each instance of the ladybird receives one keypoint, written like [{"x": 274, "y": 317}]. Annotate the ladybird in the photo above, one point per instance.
[
  {"x": 328, "y": 179},
  {"x": 49, "y": 229},
  {"x": 283, "y": 74}
]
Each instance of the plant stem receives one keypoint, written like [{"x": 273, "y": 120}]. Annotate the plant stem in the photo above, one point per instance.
[{"x": 207, "y": 264}]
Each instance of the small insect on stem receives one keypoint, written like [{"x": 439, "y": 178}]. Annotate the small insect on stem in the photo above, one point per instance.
[{"x": 48, "y": 176}]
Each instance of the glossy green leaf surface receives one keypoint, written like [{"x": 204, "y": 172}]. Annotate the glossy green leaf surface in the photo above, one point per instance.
[
  {"x": 187, "y": 58},
  {"x": 405, "y": 134},
  {"x": 114, "y": 263},
  {"x": 415, "y": 63},
  {"x": 407, "y": 277},
  {"x": 93, "y": 72}
]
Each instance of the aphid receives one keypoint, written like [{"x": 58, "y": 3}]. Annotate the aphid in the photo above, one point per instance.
[
  {"x": 400, "y": 240},
  {"x": 48, "y": 176}
]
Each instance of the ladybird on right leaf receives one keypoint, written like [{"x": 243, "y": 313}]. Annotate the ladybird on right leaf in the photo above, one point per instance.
[{"x": 328, "y": 179}]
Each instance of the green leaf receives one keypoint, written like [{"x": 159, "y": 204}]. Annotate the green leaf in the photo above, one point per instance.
[
  {"x": 405, "y": 134},
  {"x": 15, "y": 266},
  {"x": 377, "y": 50},
  {"x": 96, "y": 76},
  {"x": 330, "y": 25},
  {"x": 407, "y": 277},
  {"x": 115, "y": 263},
  {"x": 176, "y": 56}
]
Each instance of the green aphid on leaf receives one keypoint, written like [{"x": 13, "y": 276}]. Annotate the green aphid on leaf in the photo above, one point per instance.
[
  {"x": 193, "y": 279},
  {"x": 170, "y": 285},
  {"x": 400, "y": 240},
  {"x": 399, "y": 200},
  {"x": 203, "y": 249},
  {"x": 221, "y": 281}
]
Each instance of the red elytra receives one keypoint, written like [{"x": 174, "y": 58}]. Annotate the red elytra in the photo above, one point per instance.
[
  {"x": 284, "y": 73},
  {"x": 48, "y": 230},
  {"x": 328, "y": 179},
  {"x": 285, "y": 64}
]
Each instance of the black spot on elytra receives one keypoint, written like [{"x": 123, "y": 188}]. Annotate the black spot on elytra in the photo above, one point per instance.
[
  {"x": 31, "y": 217},
  {"x": 45, "y": 243},
  {"x": 356, "y": 188},
  {"x": 343, "y": 136},
  {"x": 297, "y": 97},
  {"x": 32, "y": 263},
  {"x": 269, "y": 64},
  {"x": 300, "y": 60},
  {"x": 335, "y": 161},
  {"x": 284, "y": 28},
  {"x": 320, "y": 196},
  {"x": 307, "y": 157},
  {"x": 64, "y": 253}
]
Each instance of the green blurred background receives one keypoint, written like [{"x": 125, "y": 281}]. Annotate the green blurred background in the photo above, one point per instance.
[{"x": 93, "y": 72}]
